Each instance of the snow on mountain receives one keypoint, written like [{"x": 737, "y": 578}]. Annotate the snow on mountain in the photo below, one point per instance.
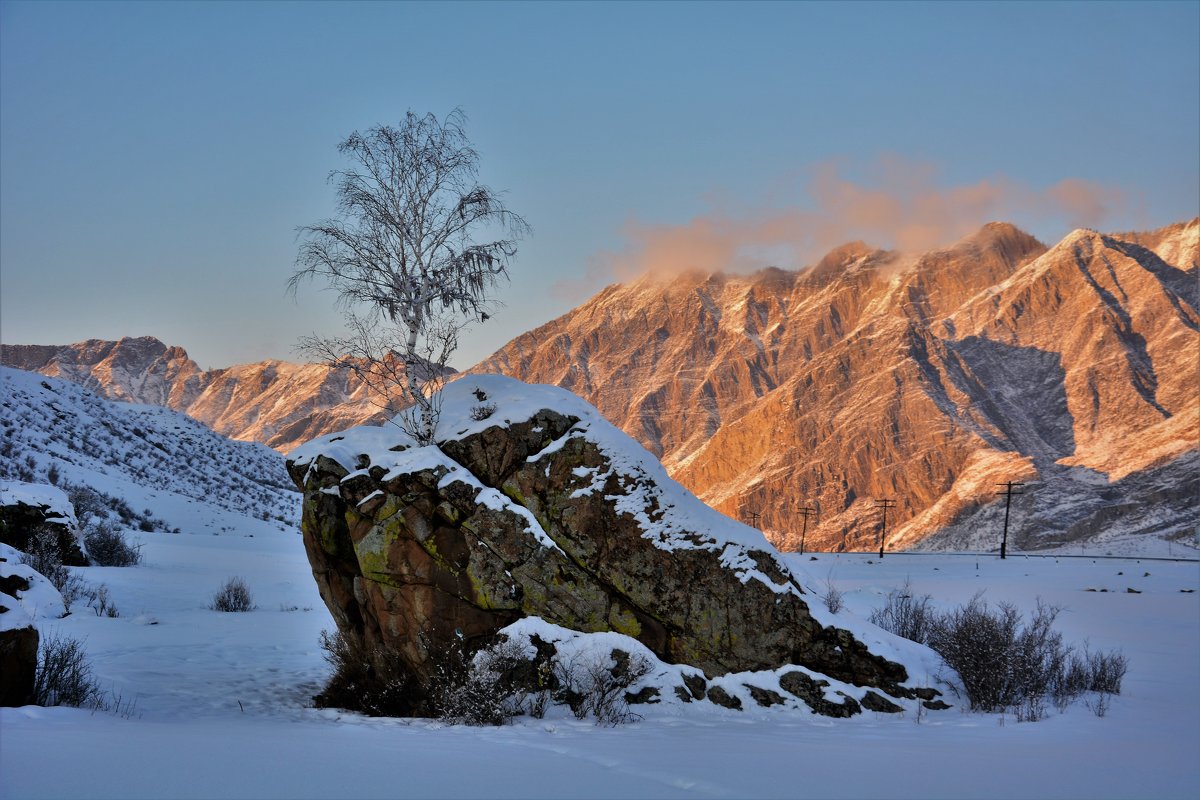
[
  {"x": 277, "y": 403},
  {"x": 179, "y": 471}
]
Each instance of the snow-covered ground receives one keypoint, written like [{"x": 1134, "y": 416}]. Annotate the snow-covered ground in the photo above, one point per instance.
[{"x": 223, "y": 700}]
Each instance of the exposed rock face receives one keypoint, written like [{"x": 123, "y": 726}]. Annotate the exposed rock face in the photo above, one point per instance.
[
  {"x": 18, "y": 641},
  {"x": 544, "y": 509},
  {"x": 277, "y": 403},
  {"x": 30, "y": 510},
  {"x": 18, "y": 660},
  {"x": 924, "y": 379}
]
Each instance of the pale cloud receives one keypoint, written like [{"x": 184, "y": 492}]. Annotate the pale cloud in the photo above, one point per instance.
[{"x": 900, "y": 204}]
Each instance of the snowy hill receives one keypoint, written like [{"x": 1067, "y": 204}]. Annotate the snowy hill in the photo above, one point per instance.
[
  {"x": 278, "y": 403},
  {"x": 170, "y": 471}
]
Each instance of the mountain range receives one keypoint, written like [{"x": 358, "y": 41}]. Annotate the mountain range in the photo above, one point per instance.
[
  {"x": 277, "y": 403},
  {"x": 923, "y": 379}
]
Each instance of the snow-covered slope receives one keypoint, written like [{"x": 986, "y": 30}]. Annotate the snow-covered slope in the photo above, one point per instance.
[
  {"x": 278, "y": 403},
  {"x": 170, "y": 470}
]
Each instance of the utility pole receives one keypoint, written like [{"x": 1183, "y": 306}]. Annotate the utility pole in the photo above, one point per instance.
[
  {"x": 754, "y": 515},
  {"x": 883, "y": 506},
  {"x": 1008, "y": 493},
  {"x": 805, "y": 511}
]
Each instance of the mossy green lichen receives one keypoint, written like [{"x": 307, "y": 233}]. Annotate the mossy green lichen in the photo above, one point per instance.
[{"x": 623, "y": 621}]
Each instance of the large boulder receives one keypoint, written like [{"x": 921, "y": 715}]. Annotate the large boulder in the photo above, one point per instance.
[{"x": 530, "y": 504}]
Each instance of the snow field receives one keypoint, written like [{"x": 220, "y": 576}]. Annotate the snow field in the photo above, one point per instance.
[{"x": 222, "y": 701}]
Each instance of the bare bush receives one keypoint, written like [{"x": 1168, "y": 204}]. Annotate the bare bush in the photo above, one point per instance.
[
  {"x": 1005, "y": 662},
  {"x": 1002, "y": 662},
  {"x": 45, "y": 557},
  {"x": 99, "y": 600},
  {"x": 370, "y": 680},
  {"x": 483, "y": 689},
  {"x": 905, "y": 614},
  {"x": 64, "y": 675},
  {"x": 596, "y": 684},
  {"x": 482, "y": 411},
  {"x": 1106, "y": 671},
  {"x": 233, "y": 596},
  {"x": 87, "y": 501},
  {"x": 107, "y": 546},
  {"x": 1099, "y": 704},
  {"x": 832, "y": 597}
]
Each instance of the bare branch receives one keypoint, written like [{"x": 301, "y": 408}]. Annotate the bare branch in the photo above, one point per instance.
[{"x": 408, "y": 256}]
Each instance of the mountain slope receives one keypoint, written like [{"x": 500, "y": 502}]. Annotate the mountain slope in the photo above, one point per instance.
[
  {"x": 150, "y": 457},
  {"x": 277, "y": 403},
  {"x": 923, "y": 379}
]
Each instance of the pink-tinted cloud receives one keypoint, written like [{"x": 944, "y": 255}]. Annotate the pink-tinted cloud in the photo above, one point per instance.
[{"x": 899, "y": 205}]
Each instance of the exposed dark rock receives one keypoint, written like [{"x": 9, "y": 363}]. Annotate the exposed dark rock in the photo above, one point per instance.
[
  {"x": 647, "y": 694},
  {"x": 810, "y": 690},
  {"x": 18, "y": 663},
  {"x": 18, "y": 644},
  {"x": 723, "y": 698},
  {"x": 696, "y": 685},
  {"x": 21, "y": 523},
  {"x": 764, "y": 697},
  {"x": 873, "y": 701}
]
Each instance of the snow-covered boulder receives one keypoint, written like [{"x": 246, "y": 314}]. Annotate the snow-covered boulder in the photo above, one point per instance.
[
  {"x": 531, "y": 504},
  {"x": 29, "y": 508}
]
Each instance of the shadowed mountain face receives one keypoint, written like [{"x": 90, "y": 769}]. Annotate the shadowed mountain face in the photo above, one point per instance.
[{"x": 922, "y": 379}]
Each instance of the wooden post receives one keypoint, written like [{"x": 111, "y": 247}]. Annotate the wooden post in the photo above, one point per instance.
[
  {"x": 805, "y": 511},
  {"x": 883, "y": 506},
  {"x": 1008, "y": 495}
]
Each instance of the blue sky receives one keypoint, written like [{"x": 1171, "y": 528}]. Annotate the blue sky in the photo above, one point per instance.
[{"x": 157, "y": 158}]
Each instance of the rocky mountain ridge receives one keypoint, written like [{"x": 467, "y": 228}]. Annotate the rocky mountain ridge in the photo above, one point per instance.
[
  {"x": 277, "y": 403},
  {"x": 926, "y": 379}
]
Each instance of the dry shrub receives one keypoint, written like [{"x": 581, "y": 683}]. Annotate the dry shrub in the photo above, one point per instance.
[
  {"x": 233, "y": 596},
  {"x": 1004, "y": 661}
]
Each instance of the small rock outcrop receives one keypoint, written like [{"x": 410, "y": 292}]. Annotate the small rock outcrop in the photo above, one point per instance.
[
  {"x": 31, "y": 511},
  {"x": 18, "y": 641},
  {"x": 532, "y": 505}
]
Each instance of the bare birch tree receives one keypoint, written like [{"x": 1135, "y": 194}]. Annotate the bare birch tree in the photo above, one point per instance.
[{"x": 414, "y": 254}]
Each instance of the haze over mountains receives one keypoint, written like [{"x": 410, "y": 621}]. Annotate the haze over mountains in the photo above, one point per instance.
[{"x": 926, "y": 379}]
